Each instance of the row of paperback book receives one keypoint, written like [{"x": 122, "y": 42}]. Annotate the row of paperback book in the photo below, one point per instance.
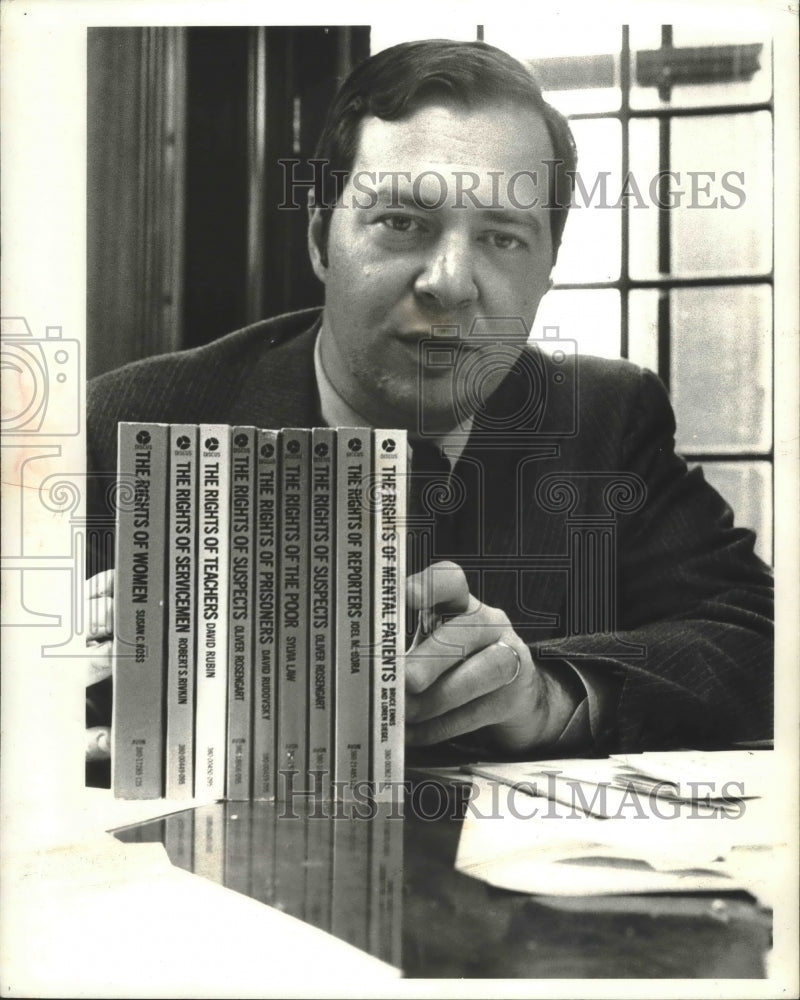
[{"x": 259, "y": 611}]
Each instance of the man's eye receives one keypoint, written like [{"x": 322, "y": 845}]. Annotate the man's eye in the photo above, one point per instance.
[
  {"x": 400, "y": 223},
  {"x": 505, "y": 241}
]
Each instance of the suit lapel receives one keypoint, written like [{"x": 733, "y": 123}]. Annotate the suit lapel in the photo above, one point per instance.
[{"x": 280, "y": 389}]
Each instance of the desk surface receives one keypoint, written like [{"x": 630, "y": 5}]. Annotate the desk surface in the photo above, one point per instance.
[{"x": 338, "y": 874}]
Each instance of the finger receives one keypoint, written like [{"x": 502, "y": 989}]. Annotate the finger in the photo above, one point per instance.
[
  {"x": 98, "y": 662},
  {"x": 99, "y": 618},
  {"x": 484, "y": 711},
  {"x": 441, "y": 585},
  {"x": 452, "y": 641},
  {"x": 101, "y": 584},
  {"x": 497, "y": 666},
  {"x": 98, "y": 743}
]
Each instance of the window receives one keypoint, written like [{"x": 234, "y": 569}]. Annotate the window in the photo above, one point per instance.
[{"x": 667, "y": 255}]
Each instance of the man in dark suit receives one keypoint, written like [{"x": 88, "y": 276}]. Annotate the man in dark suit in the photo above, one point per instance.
[{"x": 587, "y": 591}]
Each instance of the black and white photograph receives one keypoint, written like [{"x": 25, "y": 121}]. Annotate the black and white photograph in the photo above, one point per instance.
[{"x": 400, "y": 492}]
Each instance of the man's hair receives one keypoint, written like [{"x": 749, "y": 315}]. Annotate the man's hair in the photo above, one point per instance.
[{"x": 398, "y": 81}]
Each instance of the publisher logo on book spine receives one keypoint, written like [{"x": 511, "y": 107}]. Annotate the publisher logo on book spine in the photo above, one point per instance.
[
  {"x": 321, "y": 450},
  {"x": 240, "y": 441},
  {"x": 183, "y": 443},
  {"x": 267, "y": 450},
  {"x": 293, "y": 446},
  {"x": 143, "y": 439},
  {"x": 212, "y": 445},
  {"x": 388, "y": 445},
  {"x": 355, "y": 444}
]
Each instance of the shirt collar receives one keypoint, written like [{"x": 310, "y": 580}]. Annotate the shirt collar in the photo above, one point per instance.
[{"x": 337, "y": 412}]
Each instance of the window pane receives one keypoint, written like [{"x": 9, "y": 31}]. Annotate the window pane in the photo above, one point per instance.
[
  {"x": 591, "y": 317},
  {"x": 577, "y": 64},
  {"x": 721, "y": 368},
  {"x": 643, "y": 222},
  {"x": 722, "y": 192},
  {"x": 724, "y": 223},
  {"x": 592, "y": 247},
  {"x": 739, "y": 76},
  {"x": 643, "y": 328},
  {"x": 747, "y": 486}
]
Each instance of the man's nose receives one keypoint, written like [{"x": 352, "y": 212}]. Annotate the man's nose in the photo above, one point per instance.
[{"x": 448, "y": 279}]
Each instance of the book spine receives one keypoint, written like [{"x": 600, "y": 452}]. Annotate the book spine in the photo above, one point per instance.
[
  {"x": 353, "y": 638},
  {"x": 240, "y": 635},
  {"x": 181, "y": 610},
  {"x": 322, "y": 612},
  {"x": 266, "y": 594},
  {"x": 291, "y": 858},
  {"x": 212, "y": 631},
  {"x": 389, "y": 623},
  {"x": 239, "y": 847},
  {"x": 138, "y": 694},
  {"x": 209, "y": 842},
  {"x": 292, "y": 758},
  {"x": 179, "y": 839},
  {"x": 350, "y": 894},
  {"x": 319, "y": 871},
  {"x": 263, "y": 861},
  {"x": 386, "y": 884}
]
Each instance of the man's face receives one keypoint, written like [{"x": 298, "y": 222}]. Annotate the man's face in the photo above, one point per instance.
[{"x": 424, "y": 254}]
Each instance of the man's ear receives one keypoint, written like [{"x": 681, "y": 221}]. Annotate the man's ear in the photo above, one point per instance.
[{"x": 317, "y": 240}]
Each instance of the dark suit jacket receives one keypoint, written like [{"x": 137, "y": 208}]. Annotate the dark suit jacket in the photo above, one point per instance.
[{"x": 569, "y": 509}]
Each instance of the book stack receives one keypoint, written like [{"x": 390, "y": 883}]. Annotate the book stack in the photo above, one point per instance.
[{"x": 259, "y": 612}]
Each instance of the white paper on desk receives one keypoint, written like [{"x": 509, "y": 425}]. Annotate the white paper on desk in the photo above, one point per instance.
[
  {"x": 712, "y": 781},
  {"x": 747, "y": 773},
  {"x": 530, "y": 847}
]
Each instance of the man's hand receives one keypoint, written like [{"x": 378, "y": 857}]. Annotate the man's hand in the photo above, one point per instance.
[
  {"x": 100, "y": 631},
  {"x": 474, "y": 671}
]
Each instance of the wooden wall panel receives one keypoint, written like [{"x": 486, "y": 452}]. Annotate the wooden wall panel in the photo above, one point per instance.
[
  {"x": 186, "y": 241},
  {"x": 135, "y": 193}
]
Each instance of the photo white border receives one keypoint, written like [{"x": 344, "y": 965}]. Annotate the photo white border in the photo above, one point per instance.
[{"x": 43, "y": 279}]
